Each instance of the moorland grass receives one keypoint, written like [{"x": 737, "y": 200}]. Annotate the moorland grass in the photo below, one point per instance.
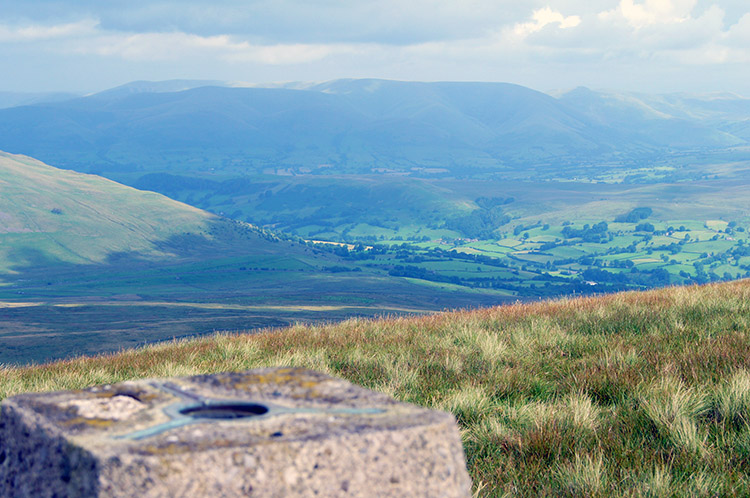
[{"x": 633, "y": 394}]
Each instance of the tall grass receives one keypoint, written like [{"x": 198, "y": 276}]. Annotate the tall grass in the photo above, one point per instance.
[
  {"x": 634, "y": 394},
  {"x": 674, "y": 410}
]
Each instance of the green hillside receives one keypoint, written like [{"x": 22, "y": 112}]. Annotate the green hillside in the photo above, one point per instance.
[
  {"x": 627, "y": 395},
  {"x": 64, "y": 216}
]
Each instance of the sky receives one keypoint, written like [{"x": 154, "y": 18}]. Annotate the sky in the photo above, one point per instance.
[{"x": 656, "y": 46}]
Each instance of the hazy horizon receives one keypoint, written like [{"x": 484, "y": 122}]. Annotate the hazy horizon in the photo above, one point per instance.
[{"x": 297, "y": 84}]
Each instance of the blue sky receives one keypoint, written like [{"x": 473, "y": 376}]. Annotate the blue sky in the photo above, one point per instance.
[{"x": 636, "y": 45}]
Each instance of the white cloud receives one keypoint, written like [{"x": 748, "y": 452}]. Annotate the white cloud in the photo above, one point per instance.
[
  {"x": 544, "y": 17},
  {"x": 148, "y": 46},
  {"x": 739, "y": 34},
  {"x": 88, "y": 37},
  {"x": 651, "y": 12},
  {"x": 183, "y": 46},
  {"x": 652, "y": 31},
  {"x": 38, "y": 32}
]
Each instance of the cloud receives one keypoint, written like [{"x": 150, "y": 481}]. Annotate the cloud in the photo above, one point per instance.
[
  {"x": 651, "y": 12},
  {"x": 184, "y": 46},
  {"x": 38, "y": 32},
  {"x": 291, "y": 21},
  {"x": 669, "y": 45},
  {"x": 568, "y": 30},
  {"x": 86, "y": 37},
  {"x": 739, "y": 34},
  {"x": 675, "y": 31},
  {"x": 544, "y": 17},
  {"x": 536, "y": 42}
]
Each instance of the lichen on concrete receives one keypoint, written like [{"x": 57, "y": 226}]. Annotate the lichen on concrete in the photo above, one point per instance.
[{"x": 116, "y": 407}]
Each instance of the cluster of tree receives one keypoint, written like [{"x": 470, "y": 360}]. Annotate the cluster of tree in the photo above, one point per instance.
[
  {"x": 702, "y": 276},
  {"x": 226, "y": 229},
  {"x": 550, "y": 285},
  {"x": 588, "y": 233},
  {"x": 422, "y": 274},
  {"x": 546, "y": 286},
  {"x": 480, "y": 223},
  {"x": 656, "y": 277},
  {"x": 733, "y": 227},
  {"x": 634, "y": 216},
  {"x": 739, "y": 251},
  {"x": 493, "y": 202},
  {"x": 522, "y": 228},
  {"x": 716, "y": 259},
  {"x": 357, "y": 253},
  {"x": 476, "y": 258},
  {"x": 339, "y": 269},
  {"x": 674, "y": 247}
]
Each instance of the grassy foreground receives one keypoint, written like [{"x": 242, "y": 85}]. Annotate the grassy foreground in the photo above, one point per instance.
[{"x": 634, "y": 394}]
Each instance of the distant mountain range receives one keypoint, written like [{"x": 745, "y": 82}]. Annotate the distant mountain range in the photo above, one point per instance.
[
  {"x": 365, "y": 126},
  {"x": 663, "y": 114}
]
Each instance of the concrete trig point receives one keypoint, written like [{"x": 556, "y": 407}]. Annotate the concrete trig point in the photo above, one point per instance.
[{"x": 270, "y": 432}]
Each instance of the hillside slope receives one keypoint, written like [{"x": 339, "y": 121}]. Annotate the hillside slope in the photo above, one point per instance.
[
  {"x": 634, "y": 394},
  {"x": 71, "y": 217}
]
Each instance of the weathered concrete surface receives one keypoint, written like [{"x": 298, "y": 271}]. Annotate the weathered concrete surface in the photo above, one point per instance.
[{"x": 299, "y": 433}]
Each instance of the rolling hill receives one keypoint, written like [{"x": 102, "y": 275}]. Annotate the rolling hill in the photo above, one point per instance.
[{"x": 78, "y": 218}]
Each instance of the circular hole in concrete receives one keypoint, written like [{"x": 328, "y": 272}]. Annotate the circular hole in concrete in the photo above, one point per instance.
[{"x": 225, "y": 410}]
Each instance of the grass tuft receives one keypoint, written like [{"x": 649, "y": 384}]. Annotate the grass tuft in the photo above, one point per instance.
[
  {"x": 674, "y": 408},
  {"x": 657, "y": 484},
  {"x": 583, "y": 477},
  {"x": 733, "y": 399},
  {"x": 583, "y": 414}
]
